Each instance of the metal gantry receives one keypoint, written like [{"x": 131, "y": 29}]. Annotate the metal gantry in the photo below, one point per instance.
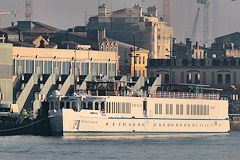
[{"x": 28, "y": 10}]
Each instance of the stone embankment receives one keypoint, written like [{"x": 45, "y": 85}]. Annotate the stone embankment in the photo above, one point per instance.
[{"x": 235, "y": 124}]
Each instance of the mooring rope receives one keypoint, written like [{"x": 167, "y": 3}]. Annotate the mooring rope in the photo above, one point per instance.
[{"x": 5, "y": 130}]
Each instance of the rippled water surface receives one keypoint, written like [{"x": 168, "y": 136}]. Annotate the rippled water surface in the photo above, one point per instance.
[{"x": 163, "y": 147}]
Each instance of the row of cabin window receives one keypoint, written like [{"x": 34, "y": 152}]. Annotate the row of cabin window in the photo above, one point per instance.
[
  {"x": 198, "y": 110},
  {"x": 93, "y": 106},
  {"x": 74, "y": 105},
  {"x": 118, "y": 107},
  {"x": 190, "y": 109},
  {"x": 163, "y": 124}
]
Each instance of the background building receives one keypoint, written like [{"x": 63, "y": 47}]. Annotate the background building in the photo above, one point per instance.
[
  {"x": 150, "y": 32},
  {"x": 29, "y": 75},
  {"x": 61, "y": 61},
  {"x": 6, "y": 92}
]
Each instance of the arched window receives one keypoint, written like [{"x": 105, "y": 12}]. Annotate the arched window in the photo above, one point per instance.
[
  {"x": 96, "y": 106},
  {"x": 219, "y": 78},
  {"x": 189, "y": 78},
  {"x": 228, "y": 78},
  {"x": 84, "y": 105},
  {"x": 68, "y": 105},
  {"x": 90, "y": 105},
  {"x": 102, "y": 106},
  {"x": 61, "y": 104},
  {"x": 56, "y": 106},
  {"x": 166, "y": 78},
  {"x": 51, "y": 105},
  {"x": 197, "y": 78},
  {"x": 74, "y": 106}
]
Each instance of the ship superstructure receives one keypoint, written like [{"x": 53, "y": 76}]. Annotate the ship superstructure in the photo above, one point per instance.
[{"x": 124, "y": 112}]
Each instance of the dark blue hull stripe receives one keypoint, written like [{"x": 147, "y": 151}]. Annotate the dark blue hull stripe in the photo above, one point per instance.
[
  {"x": 188, "y": 119},
  {"x": 136, "y": 132}
]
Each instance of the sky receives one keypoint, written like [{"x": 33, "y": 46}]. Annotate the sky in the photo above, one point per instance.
[{"x": 63, "y": 14}]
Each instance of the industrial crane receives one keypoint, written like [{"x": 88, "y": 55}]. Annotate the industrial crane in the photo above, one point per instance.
[
  {"x": 206, "y": 20},
  {"x": 166, "y": 11},
  {"x": 194, "y": 30},
  {"x": 206, "y": 4}
]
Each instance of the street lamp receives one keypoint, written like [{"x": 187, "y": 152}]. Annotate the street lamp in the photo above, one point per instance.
[{"x": 170, "y": 59}]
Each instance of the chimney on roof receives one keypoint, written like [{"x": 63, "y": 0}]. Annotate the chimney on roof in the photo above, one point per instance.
[{"x": 197, "y": 45}]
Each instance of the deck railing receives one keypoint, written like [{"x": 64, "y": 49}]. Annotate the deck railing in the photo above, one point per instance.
[
  {"x": 176, "y": 95},
  {"x": 185, "y": 95}
]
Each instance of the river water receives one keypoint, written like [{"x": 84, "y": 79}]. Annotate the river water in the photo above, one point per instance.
[{"x": 162, "y": 147}]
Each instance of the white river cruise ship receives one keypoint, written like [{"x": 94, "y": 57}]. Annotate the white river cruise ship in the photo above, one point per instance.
[{"x": 161, "y": 112}]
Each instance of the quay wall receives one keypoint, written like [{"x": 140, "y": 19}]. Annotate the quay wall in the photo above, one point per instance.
[{"x": 235, "y": 125}]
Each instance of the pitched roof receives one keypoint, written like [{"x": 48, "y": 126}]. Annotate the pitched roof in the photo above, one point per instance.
[
  {"x": 37, "y": 27},
  {"x": 232, "y": 36}
]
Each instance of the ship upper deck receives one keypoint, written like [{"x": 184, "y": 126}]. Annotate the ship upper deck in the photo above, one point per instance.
[{"x": 186, "y": 95}]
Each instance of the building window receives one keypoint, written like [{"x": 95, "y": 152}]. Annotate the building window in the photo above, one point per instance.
[
  {"x": 102, "y": 106},
  {"x": 47, "y": 67},
  {"x": 143, "y": 60},
  {"x": 166, "y": 78},
  {"x": 197, "y": 78},
  {"x": 29, "y": 66},
  {"x": 188, "y": 110},
  {"x": 38, "y": 66},
  {"x": 74, "y": 106},
  {"x": 228, "y": 78},
  {"x": 90, "y": 105},
  {"x": 219, "y": 78},
  {"x": 189, "y": 78},
  {"x": 68, "y": 105},
  {"x": 139, "y": 60},
  {"x": 181, "y": 109},
  {"x": 167, "y": 108},
  {"x": 66, "y": 67},
  {"x": 160, "y": 109},
  {"x": 156, "y": 108},
  {"x": 84, "y": 106},
  {"x": 177, "y": 109},
  {"x": 171, "y": 108}
]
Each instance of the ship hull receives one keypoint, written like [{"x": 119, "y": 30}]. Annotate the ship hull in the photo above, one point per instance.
[{"x": 66, "y": 122}]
